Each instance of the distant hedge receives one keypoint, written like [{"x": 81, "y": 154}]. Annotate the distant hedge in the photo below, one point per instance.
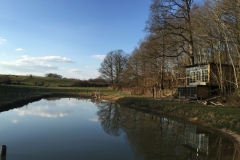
[{"x": 89, "y": 83}]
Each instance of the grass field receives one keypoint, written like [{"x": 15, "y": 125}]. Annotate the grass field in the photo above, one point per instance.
[{"x": 36, "y": 80}]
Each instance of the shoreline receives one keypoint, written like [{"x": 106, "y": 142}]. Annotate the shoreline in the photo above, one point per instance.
[{"x": 234, "y": 137}]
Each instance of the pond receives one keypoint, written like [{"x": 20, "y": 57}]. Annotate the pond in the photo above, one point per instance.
[{"x": 72, "y": 129}]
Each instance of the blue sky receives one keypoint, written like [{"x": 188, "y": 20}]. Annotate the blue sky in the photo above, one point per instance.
[{"x": 67, "y": 37}]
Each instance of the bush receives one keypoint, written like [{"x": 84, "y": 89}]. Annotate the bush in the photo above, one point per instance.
[
  {"x": 85, "y": 83},
  {"x": 53, "y": 75},
  {"x": 6, "y": 80}
]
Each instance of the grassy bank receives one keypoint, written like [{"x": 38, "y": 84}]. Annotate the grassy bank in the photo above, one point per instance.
[
  {"x": 216, "y": 117},
  {"x": 13, "y": 95}
]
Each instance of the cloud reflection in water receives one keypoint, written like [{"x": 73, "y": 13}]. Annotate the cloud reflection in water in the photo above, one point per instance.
[
  {"x": 53, "y": 109},
  {"x": 42, "y": 112},
  {"x": 93, "y": 119}
]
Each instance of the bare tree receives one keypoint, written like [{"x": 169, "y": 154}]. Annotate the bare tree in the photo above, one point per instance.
[
  {"x": 222, "y": 33},
  {"x": 173, "y": 19},
  {"x": 137, "y": 71},
  {"x": 112, "y": 67}
]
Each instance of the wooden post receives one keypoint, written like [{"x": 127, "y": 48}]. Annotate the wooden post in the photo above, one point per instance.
[
  {"x": 99, "y": 94},
  {"x": 3, "y": 150},
  {"x": 153, "y": 92},
  {"x": 179, "y": 97}
]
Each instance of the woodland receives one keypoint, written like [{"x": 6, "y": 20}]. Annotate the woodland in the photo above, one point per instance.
[{"x": 179, "y": 33}]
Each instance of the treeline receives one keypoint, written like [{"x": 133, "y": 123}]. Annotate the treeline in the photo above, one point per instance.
[
  {"x": 53, "y": 75},
  {"x": 98, "y": 82},
  {"x": 179, "y": 33}
]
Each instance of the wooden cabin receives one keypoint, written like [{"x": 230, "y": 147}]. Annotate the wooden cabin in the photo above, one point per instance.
[{"x": 202, "y": 80}]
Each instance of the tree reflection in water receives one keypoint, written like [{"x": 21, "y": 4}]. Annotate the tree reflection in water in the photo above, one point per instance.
[
  {"x": 157, "y": 137},
  {"x": 110, "y": 118}
]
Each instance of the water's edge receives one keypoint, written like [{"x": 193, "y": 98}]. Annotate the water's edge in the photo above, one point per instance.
[{"x": 235, "y": 138}]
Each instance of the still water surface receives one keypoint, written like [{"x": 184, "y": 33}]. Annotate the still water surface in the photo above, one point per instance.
[{"x": 73, "y": 129}]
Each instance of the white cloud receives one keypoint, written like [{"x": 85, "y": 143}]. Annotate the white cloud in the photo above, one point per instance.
[
  {"x": 20, "y": 66},
  {"x": 39, "y": 66},
  {"x": 47, "y": 59},
  {"x": 19, "y": 49},
  {"x": 99, "y": 56},
  {"x": 3, "y": 54},
  {"x": 33, "y": 65},
  {"x": 2, "y": 40}
]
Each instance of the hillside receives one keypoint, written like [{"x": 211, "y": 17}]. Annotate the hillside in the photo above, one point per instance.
[{"x": 31, "y": 80}]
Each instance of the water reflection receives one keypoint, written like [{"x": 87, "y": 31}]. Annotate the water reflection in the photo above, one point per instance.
[
  {"x": 110, "y": 118},
  {"x": 48, "y": 110},
  {"x": 53, "y": 98},
  {"x": 155, "y": 137},
  {"x": 79, "y": 135},
  {"x": 42, "y": 111},
  {"x": 76, "y": 129}
]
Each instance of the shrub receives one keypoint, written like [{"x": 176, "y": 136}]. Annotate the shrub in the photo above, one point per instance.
[{"x": 6, "y": 80}]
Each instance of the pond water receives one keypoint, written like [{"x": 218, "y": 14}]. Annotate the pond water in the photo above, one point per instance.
[{"x": 72, "y": 129}]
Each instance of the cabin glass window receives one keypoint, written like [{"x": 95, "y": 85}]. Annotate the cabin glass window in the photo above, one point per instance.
[{"x": 197, "y": 74}]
